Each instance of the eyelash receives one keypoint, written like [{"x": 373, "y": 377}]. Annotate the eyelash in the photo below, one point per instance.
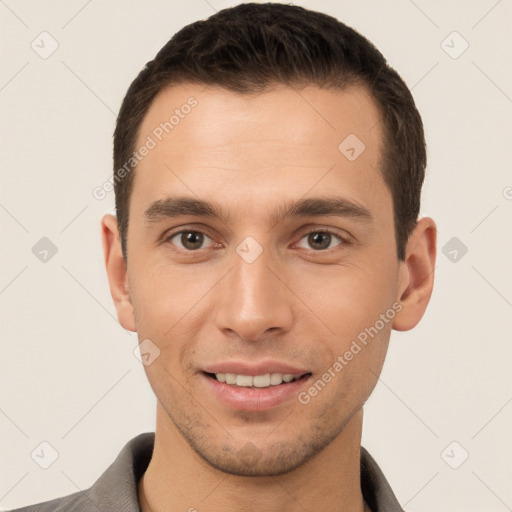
[{"x": 343, "y": 240}]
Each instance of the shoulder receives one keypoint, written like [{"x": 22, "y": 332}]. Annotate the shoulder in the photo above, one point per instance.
[
  {"x": 376, "y": 490},
  {"x": 76, "y": 502},
  {"x": 115, "y": 490}
]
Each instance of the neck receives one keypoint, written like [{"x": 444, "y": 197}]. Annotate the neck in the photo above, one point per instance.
[{"x": 178, "y": 479}]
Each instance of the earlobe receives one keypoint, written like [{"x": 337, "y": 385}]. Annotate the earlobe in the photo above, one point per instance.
[
  {"x": 417, "y": 275},
  {"x": 117, "y": 272}
]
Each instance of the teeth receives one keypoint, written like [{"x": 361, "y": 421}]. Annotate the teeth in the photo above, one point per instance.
[
  {"x": 276, "y": 378},
  {"x": 243, "y": 380},
  {"x": 261, "y": 381},
  {"x": 258, "y": 381}
]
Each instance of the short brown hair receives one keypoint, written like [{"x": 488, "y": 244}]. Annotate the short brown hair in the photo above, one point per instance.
[{"x": 251, "y": 46}]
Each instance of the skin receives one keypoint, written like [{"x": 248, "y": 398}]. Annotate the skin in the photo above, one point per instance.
[{"x": 296, "y": 303}]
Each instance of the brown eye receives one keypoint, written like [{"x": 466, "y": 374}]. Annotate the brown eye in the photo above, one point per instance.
[
  {"x": 320, "y": 240},
  {"x": 189, "y": 240}
]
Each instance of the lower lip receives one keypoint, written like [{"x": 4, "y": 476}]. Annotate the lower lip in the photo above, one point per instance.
[{"x": 252, "y": 398}]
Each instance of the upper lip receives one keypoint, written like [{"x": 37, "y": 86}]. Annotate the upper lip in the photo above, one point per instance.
[{"x": 252, "y": 369}]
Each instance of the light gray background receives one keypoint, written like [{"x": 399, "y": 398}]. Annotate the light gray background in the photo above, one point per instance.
[{"x": 68, "y": 375}]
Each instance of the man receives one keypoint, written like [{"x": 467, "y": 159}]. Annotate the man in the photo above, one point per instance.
[{"x": 268, "y": 167}]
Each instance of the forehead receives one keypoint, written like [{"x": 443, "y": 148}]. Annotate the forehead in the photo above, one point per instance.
[
  {"x": 306, "y": 112},
  {"x": 285, "y": 138}
]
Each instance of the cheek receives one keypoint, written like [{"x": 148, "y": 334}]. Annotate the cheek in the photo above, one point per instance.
[
  {"x": 167, "y": 309},
  {"x": 164, "y": 296},
  {"x": 354, "y": 313},
  {"x": 347, "y": 300}
]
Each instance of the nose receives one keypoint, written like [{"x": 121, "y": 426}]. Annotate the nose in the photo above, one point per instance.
[{"x": 254, "y": 300}]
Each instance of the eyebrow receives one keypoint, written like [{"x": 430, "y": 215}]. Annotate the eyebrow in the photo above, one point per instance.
[{"x": 171, "y": 207}]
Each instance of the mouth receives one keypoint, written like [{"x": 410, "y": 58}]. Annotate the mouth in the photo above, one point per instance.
[
  {"x": 254, "y": 393},
  {"x": 265, "y": 380}
]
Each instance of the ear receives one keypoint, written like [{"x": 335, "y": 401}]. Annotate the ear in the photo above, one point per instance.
[
  {"x": 117, "y": 272},
  {"x": 417, "y": 275}
]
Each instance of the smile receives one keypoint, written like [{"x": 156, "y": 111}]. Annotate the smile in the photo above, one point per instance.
[
  {"x": 254, "y": 393},
  {"x": 257, "y": 381}
]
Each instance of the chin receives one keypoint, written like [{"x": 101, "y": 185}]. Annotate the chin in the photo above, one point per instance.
[{"x": 250, "y": 460}]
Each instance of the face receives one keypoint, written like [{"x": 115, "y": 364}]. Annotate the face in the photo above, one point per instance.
[{"x": 260, "y": 250}]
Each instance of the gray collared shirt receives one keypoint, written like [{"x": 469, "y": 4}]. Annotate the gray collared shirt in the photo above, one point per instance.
[{"x": 116, "y": 489}]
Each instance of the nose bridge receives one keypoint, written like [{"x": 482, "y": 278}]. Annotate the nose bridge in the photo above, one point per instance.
[{"x": 253, "y": 300}]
